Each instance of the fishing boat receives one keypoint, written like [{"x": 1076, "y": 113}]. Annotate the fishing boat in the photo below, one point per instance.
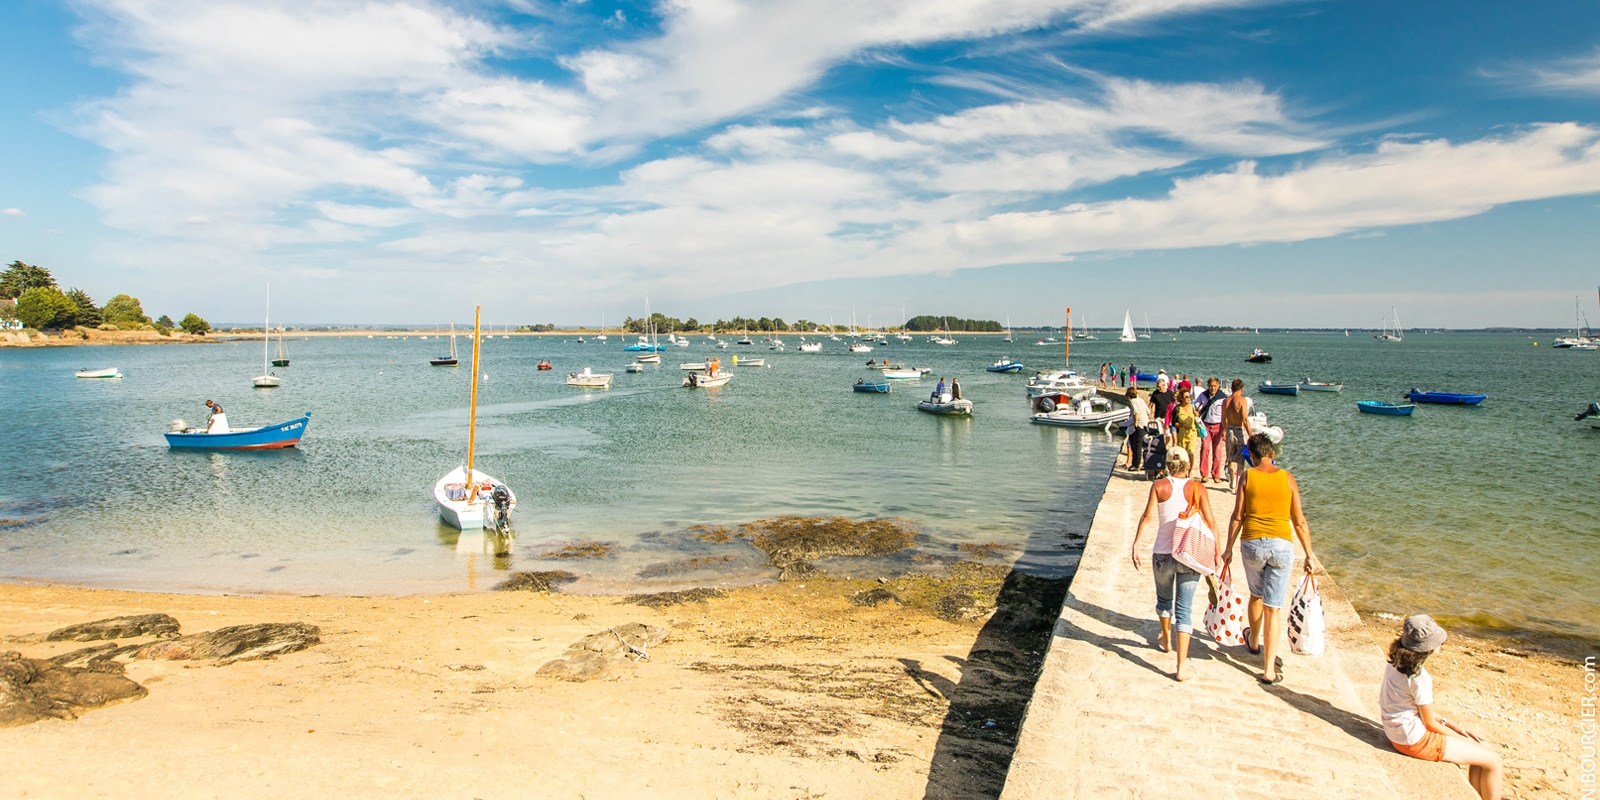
[
  {"x": 1386, "y": 409},
  {"x": 1279, "y": 388},
  {"x": 1444, "y": 398},
  {"x": 858, "y": 347},
  {"x": 1592, "y": 414},
  {"x": 1005, "y": 365},
  {"x": 589, "y": 379},
  {"x": 1309, "y": 385},
  {"x": 266, "y": 437},
  {"x": 1088, "y": 412},
  {"x": 1388, "y": 335},
  {"x": 713, "y": 376},
  {"x": 449, "y": 360},
  {"x": 1127, "y": 328},
  {"x": 543, "y": 365},
  {"x": 1258, "y": 356},
  {"x": 903, "y": 374},
  {"x": 267, "y": 379},
  {"x": 872, "y": 387},
  {"x": 634, "y": 367},
  {"x": 810, "y": 347},
  {"x": 108, "y": 372},
  {"x": 469, "y": 499},
  {"x": 282, "y": 360},
  {"x": 750, "y": 362},
  {"x": 650, "y": 358},
  {"x": 949, "y": 408}
]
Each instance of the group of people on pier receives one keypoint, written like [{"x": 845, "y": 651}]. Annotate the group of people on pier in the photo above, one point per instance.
[{"x": 1212, "y": 429}]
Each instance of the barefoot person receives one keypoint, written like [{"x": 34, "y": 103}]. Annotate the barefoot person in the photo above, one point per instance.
[
  {"x": 1236, "y": 430},
  {"x": 1267, "y": 516},
  {"x": 1405, "y": 704},
  {"x": 1175, "y": 582}
]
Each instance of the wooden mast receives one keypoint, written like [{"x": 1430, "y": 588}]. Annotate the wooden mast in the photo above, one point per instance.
[
  {"x": 472, "y": 416},
  {"x": 1069, "y": 336}
]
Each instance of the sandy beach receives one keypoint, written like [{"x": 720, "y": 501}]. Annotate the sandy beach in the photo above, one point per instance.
[{"x": 787, "y": 690}]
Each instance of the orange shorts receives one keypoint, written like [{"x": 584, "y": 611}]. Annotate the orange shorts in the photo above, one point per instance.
[{"x": 1431, "y": 748}]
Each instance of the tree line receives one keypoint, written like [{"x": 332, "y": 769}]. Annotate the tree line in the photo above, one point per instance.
[
  {"x": 31, "y": 295},
  {"x": 665, "y": 324}
]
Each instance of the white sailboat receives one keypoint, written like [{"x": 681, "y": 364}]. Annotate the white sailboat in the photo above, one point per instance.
[
  {"x": 1127, "y": 328},
  {"x": 1146, "y": 333},
  {"x": 903, "y": 336},
  {"x": 1391, "y": 335},
  {"x": 601, "y": 336},
  {"x": 468, "y": 498},
  {"x": 1008, "y": 328},
  {"x": 267, "y": 379}
]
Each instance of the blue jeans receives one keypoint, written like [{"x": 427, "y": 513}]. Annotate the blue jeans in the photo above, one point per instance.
[
  {"x": 1175, "y": 584},
  {"x": 1267, "y": 564}
]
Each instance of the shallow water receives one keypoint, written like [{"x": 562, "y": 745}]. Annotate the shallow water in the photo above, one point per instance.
[{"x": 1481, "y": 514}]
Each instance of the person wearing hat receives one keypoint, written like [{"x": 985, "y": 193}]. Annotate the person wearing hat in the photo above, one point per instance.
[{"x": 1405, "y": 704}]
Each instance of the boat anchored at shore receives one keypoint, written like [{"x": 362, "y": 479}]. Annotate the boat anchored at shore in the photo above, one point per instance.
[{"x": 467, "y": 498}]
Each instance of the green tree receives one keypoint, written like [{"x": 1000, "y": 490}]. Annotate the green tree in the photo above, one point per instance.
[
  {"x": 45, "y": 307},
  {"x": 691, "y": 324},
  {"x": 166, "y": 322},
  {"x": 125, "y": 312},
  {"x": 20, "y": 277},
  {"x": 88, "y": 314},
  {"x": 193, "y": 324}
]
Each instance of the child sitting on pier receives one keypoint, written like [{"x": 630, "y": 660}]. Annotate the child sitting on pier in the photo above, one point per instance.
[{"x": 1405, "y": 704}]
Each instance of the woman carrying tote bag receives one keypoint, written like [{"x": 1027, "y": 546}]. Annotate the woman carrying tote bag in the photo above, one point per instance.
[{"x": 1171, "y": 498}]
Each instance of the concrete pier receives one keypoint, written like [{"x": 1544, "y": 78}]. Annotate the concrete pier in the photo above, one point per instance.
[{"x": 1107, "y": 719}]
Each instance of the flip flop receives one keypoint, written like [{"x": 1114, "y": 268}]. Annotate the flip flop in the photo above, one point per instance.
[
  {"x": 1255, "y": 651},
  {"x": 1277, "y": 665}
]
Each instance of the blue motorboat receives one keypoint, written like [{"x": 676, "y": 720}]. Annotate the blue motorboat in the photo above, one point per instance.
[
  {"x": 1387, "y": 409},
  {"x": 1444, "y": 398},
  {"x": 1005, "y": 365},
  {"x": 876, "y": 387},
  {"x": 1279, "y": 388},
  {"x": 266, "y": 437}
]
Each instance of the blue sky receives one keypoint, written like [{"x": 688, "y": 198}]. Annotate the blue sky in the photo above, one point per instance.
[{"x": 1199, "y": 161}]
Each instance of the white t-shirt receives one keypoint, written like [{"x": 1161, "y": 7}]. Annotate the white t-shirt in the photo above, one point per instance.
[{"x": 1398, "y": 701}]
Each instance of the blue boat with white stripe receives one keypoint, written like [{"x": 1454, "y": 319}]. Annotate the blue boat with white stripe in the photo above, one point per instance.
[{"x": 266, "y": 437}]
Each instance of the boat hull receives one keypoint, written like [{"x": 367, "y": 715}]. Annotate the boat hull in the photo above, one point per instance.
[
  {"x": 1321, "y": 387},
  {"x": 1445, "y": 398},
  {"x": 1386, "y": 409},
  {"x": 1099, "y": 419},
  {"x": 700, "y": 380},
  {"x": 1262, "y": 359},
  {"x": 1270, "y": 388},
  {"x": 954, "y": 408},
  {"x": 443, "y": 362},
  {"x": 873, "y": 388},
  {"x": 280, "y": 362},
  {"x": 100, "y": 373},
  {"x": 267, "y": 437},
  {"x": 1006, "y": 366}
]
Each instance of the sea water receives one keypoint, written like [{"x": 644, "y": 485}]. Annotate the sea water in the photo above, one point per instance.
[{"x": 1484, "y": 515}]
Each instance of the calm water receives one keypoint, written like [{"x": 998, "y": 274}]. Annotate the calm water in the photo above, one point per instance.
[{"x": 1486, "y": 515}]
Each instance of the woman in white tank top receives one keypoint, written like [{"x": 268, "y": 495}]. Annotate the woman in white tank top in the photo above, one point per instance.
[{"x": 1175, "y": 582}]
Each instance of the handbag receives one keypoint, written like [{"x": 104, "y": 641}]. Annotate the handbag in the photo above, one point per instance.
[
  {"x": 1306, "y": 623},
  {"x": 1194, "y": 544},
  {"x": 1226, "y": 617}
]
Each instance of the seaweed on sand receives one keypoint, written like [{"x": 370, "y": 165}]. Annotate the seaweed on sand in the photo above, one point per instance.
[
  {"x": 573, "y": 550},
  {"x": 792, "y": 543},
  {"x": 666, "y": 599},
  {"x": 536, "y": 581}
]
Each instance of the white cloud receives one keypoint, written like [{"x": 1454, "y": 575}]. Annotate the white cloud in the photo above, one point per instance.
[
  {"x": 1581, "y": 74},
  {"x": 13, "y": 212}
]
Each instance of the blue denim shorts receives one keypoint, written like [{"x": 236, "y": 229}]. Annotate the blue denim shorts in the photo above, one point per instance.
[{"x": 1267, "y": 564}]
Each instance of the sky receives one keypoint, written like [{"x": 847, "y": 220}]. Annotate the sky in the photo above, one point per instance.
[{"x": 1225, "y": 162}]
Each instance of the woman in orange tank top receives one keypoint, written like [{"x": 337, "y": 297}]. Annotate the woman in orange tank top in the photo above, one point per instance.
[{"x": 1268, "y": 517}]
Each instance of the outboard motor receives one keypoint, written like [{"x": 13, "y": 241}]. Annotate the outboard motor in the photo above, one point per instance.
[
  {"x": 178, "y": 426},
  {"x": 1592, "y": 411},
  {"x": 500, "y": 502}
]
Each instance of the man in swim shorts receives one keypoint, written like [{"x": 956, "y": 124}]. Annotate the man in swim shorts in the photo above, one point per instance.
[{"x": 1236, "y": 428}]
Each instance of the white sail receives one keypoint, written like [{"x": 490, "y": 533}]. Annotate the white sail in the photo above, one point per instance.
[{"x": 1127, "y": 328}]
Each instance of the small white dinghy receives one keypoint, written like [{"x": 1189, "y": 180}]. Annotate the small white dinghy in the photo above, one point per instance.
[
  {"x": 467, "y": 508},
  {"x": 469, "y": 499},
  {"x": 634, "y": 367},
  {"x": 588, "y": 379},
  {"x": 706, "y": 380},
  {"x": 108, "y": 372},
  {"x": 1086, "y": 412},
  {"x": 946, "y": 406}
]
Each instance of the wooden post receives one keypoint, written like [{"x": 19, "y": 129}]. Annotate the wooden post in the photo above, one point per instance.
[{"x": 1069, "y": 337}]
